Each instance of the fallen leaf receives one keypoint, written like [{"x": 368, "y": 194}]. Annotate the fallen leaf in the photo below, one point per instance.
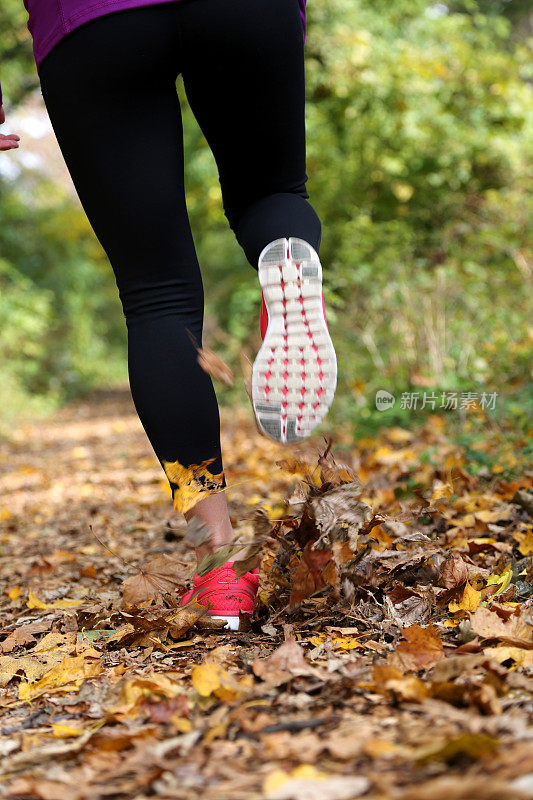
[
  {"x": 162, "y": 574},
  {"x": 64, "y": 677},
  {"x": 34, "y": 602},
  {"x": 454, "y": 572},
  {"x": 515, "y": 630},
  {"x": 420, "y": 649},
  {"x": 307, "y": 782},
  {"x": 286, "y": 662},
  {"x": 469, "y": 600},
  {"x": 214, "y": 366}
]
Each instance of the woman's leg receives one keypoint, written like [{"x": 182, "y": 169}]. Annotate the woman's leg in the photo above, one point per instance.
[
  {"x": 109, "y": 88},
  {"x": 243, "y": 71}
]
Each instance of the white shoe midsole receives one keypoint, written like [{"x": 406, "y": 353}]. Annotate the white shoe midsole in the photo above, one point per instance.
[{"x": 295, "y": 372}]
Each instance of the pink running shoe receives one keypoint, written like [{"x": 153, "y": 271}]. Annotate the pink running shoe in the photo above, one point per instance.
[
  {"x": 228, "y": 594},
  {"x": 295, "y": 372}
]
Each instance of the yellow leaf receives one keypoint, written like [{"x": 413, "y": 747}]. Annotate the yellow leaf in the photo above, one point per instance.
[
  {"x": 191, "y": 484},
  {"x": 65, "y": 731},
  {"x": 135, "y": 690},
  {"x": 206, "y": 678},
  {"x": 182, "y": 724},
  {"x": 34, "y": 602},
  {"x": 14, "y": 593},
  {"x": 442, "y": 491},
  {"x": 469, "y": 600},
  {"x": 501, "y": 653},
  {"x": 66, "y": 676},
  {"x": 274, "y": 781},
  {"x": 346, "y": 642},
  {"x": 308, "y": 772},
  {"x": 525, "y": 541},
  {"x": 278, "y": 777},
  {"x": 504, "y": 579}
]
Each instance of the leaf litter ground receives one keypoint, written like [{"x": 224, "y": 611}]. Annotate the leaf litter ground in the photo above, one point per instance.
[{"x": 391, "y": 655}]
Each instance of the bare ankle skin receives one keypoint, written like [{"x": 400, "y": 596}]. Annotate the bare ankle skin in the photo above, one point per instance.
[{"x": 213, "y": 511}]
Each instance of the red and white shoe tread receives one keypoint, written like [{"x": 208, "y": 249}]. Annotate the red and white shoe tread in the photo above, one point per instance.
[{"x": 295, "y": 372}]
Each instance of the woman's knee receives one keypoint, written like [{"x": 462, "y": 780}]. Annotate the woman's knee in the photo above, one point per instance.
[{"x": 283, "y": 214}]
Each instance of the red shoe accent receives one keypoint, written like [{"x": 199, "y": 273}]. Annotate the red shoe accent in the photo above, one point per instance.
[
  {"x": 263, "y": 316},
  {"x": 228, "y": 594}
]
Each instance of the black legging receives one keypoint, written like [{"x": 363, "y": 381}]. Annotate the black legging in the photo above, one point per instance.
[{"x": 109, "y": 88}]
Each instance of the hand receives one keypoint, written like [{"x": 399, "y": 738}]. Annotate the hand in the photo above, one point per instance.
[{"x": 9, "y": 141}]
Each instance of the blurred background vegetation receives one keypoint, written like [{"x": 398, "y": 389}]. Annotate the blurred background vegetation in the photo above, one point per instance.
[{"x": 420, "y": 137}]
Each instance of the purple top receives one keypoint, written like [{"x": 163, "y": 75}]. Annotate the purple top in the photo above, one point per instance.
[{"x": 51, "y": 20}]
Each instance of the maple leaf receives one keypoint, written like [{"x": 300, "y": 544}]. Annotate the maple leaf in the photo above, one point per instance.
[
  {"x": 161, "y": 575},
  {"x": 469, "y": 601},
  {"x": 420, "y": 649},
  {"x": 516, "y": 629}
]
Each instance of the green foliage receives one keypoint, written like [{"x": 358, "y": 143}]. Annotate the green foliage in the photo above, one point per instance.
[
  {"x": 61, "y": 330},
  {"x": 17, "y": 70}
]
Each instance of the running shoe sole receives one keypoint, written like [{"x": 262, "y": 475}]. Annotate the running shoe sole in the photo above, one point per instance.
[{"x": 295, "y": 372}]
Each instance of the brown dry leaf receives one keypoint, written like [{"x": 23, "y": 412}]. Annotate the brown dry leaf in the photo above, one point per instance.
[
  {"x": 309, "y": 576},
  {"x": 20, "y": 637},
  {"x": 334, "y": 473},
  {"x": 454, "y": 572},
  {"x": 516, "y": 629},
  {"x": 462, "y": 787},
  {"x": 420, "y": 649},
  {"x": 135, "y": 691},
  {"x": 294, "y": 466},
  {"x": 162, "y": 574},
  {"x": 45, "y": 789},
  {"x": 212, "y": 364},
  {"x": 286, "y": 662},
  {"x": 185, "y": 618},
  {"x": 250, "y": 557},
  {"x": 339, "y": 510}
]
